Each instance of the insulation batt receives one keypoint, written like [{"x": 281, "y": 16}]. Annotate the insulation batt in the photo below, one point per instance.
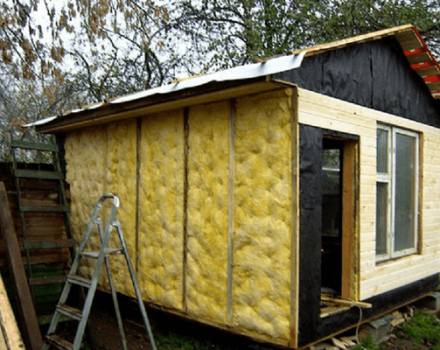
[
  {"x": 86, "y": 152},
  {"x": 97, "y": 160},
  {"x": 161, "y": 209},
  {"x": 121, "y": 181},
  {"x": 262, "y": 214},
  {"x": 208, "y": 193}
]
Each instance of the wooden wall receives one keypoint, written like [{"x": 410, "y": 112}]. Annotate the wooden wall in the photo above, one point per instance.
[
  {"x": 333, "y": 114},
  {"x": 39, "y": 226}
]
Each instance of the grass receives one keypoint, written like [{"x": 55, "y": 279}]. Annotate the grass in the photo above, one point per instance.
[
  {"x": 423, "y": 329},
  {"x": 173, "y": 341},
  {"x": 367, "y": 343}
]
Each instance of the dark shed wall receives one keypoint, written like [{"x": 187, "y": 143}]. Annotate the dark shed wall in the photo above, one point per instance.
[
  {"x": 310, "y": 232},
  {"x": 375, "y": 74}
]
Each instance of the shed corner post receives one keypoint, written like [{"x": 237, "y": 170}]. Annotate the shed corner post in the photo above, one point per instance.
[
  {"x": 294, "y": 287},
  {"x": 231, "y": 208}
]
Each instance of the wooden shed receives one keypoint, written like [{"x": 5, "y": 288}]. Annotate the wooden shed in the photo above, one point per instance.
[{"x": 252, "y": 197}]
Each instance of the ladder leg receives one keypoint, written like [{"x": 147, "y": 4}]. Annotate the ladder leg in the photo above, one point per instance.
[
  {"x": 116, "y": 306},
  {"x": 88, "y": 305},
  {"x": 135, "y": 286},
  {"x": 114, "y": 296},
  {"x": 91, "y": 294}
]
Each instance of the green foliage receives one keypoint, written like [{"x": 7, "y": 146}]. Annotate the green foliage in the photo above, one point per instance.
[
  {"x": 171, "y": 341},
  {"x": 367, "y": 343},
  {"x": 423, "y": 329},
  {"x": 237, "y": 32}
]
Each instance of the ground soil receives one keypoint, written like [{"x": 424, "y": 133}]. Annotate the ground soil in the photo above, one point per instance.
[{"x": 172, "y": 332}]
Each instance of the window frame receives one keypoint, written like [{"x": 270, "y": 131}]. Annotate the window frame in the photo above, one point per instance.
[{"x": 389, "y": 178}]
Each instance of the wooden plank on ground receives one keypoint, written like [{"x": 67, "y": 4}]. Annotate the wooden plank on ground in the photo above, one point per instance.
[{"x": 26, "y": 308}]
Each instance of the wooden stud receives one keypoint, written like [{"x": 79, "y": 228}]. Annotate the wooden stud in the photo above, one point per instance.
[
  {"x": 185, "y": 207},
  {"x": 294, "y": 252},
  {"x": 422, "y": 234},
  {"x": 348, "y": 218},
  {"x": 138, "y": 186},
  {"x": 25, "y": 305},
  {"x": 231, "y": 209}
]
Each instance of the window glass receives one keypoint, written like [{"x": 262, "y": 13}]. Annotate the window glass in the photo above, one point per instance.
[
  {"x": 404, "y": 192},
  {"x": 397, "y": 192},
  {"x": 382, "y": 218},
  {"x": 382, "y": 150}
]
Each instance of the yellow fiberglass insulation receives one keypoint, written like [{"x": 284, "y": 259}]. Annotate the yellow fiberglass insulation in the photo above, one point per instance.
[
  {"x": 86, "y": 171},
  {"x": 101, "y": 160},
  {"x": 262, "y": 214},
  {"x": 160, "y": 272},
  {"x": 121, "y": 181},
  {"x": 207, "y": 242}
]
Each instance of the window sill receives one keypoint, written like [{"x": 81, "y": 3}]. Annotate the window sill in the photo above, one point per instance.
[{"x": 399, "y": 258}]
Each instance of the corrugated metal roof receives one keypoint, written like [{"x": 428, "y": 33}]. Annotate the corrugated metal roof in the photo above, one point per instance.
[{"x": 269, "y": 67}]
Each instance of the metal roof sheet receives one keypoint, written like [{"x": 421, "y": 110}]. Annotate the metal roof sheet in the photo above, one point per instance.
[{"x": 269, "y": 67}]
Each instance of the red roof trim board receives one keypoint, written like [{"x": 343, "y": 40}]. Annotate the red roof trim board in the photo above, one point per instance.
[{"x": 429, "y": 79}]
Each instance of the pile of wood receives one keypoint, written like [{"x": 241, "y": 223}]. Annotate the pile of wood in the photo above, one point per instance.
[{"x": 381, "y": 331}]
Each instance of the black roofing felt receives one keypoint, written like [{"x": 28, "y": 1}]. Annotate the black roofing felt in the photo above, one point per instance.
[{"x": 375, "y": 74}]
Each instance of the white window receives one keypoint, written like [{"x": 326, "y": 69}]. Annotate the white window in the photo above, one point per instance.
[{"x": 397, "y": 192}]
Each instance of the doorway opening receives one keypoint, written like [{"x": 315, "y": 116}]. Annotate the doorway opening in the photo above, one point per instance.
[{"x": 338, "y": 218}]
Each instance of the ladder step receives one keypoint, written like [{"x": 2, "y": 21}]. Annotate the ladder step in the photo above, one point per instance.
[
  {"x": 69, "y": 311},
  {"x": 79, "y": 280},
  {"x": 45, "y": 209},
  {"x": 58, "y": 342},
  {"x": 38, "y": 174},
  {"x": 49, "y": 244},
  {"x": 47, "y": 280},
  {"x": 38, "y": 146},
  {"x": 45, "y": 319},
  {"x": 108, "y": 251}
]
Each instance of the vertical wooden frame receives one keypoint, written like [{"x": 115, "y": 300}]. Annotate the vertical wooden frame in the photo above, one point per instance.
[
  {"x": 231, "y": 208},
  {"x": 294, "y": 256},
  {"x": 350, "y": 235},
  {"x": 185, "y": 207}
]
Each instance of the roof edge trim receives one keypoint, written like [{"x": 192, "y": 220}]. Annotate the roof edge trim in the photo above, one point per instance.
[{"x": 255, "y": 70}]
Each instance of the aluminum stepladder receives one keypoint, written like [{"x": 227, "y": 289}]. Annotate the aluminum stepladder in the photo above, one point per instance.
[{"x": 73, "y": 278}]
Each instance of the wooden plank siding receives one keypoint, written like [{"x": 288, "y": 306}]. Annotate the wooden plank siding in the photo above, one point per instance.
[
  {"x": 333, "y": 114},
  {"x": 40, "y": 226}
]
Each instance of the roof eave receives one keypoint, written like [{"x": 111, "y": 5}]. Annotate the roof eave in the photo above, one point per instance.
[{"x": 108, "y": 112}]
